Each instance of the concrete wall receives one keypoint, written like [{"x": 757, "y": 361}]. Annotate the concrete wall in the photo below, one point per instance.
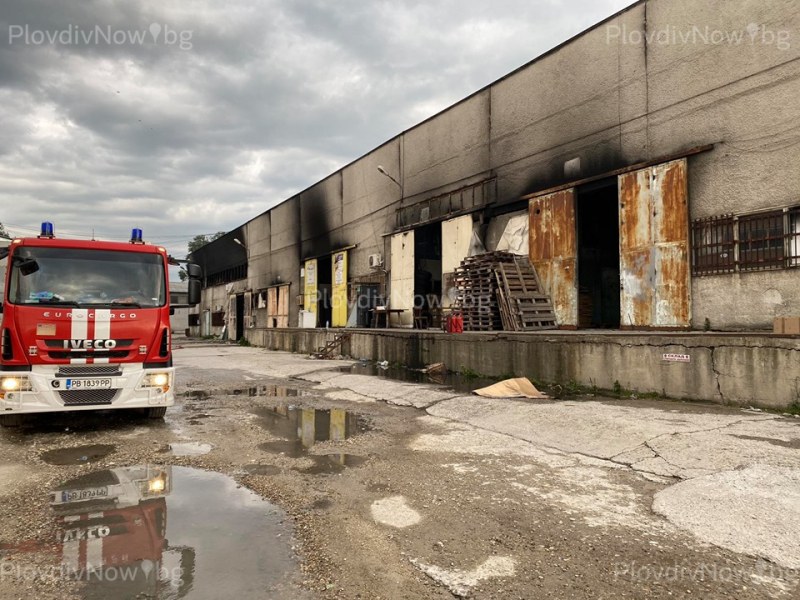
[
  {"x": 744, "y": 97},
  {"x": 730, "y": 369},
  {"x": 448, "y": 148},
  {"x": 603, "y": 100},
  {"x": 259, "y": 252}
]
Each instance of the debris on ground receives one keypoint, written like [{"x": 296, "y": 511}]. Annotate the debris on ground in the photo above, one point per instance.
[
  {"x": 518, "y": 387},
  {"x": 435, "y": 369}
]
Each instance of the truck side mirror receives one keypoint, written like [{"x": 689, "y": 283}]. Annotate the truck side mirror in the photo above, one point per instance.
[
  {"x": 194, "y": 271},
  {"x": 194, "y": 292}
]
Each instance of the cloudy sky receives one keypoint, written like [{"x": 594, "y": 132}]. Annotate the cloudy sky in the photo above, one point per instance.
[{"x": 195, "y": 116}]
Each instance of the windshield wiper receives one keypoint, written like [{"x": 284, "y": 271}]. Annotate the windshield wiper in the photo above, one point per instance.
[
  {"x": 56, "y": 302},
  {"x": 126, "y": 304}
]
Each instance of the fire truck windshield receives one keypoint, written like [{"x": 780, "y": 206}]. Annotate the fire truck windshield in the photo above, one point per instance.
[{"x": 84, "y": 277}]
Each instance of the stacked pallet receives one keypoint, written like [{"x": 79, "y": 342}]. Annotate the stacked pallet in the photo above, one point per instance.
[
  {"x": 500, "y": 290},
  {"x": 523, "y": 304},
  {"x": 477, "y": 291}
]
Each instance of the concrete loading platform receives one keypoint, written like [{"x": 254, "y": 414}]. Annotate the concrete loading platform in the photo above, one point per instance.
[{"x": 742, "y": 369}]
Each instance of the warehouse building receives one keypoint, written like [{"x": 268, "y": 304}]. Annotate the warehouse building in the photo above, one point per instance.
[{"x": 648, "y": 167}]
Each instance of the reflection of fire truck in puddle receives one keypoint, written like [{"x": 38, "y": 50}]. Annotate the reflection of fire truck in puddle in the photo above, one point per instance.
[{"x": 112, "y": 528}]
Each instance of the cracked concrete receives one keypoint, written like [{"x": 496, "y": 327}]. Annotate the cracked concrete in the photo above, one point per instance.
[
  {"x": 717, "y": 374},
  {"x": 755, "y": 510},
  {"x": 727, "y": 462},
  {"x": 734, "y": 468},
  {"x": 393, "y": 392}
]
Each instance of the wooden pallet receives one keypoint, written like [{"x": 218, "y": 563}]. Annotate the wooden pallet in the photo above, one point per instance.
[
  {"x": 524, "y": 305},
  {"x": 477, "y": 298}
]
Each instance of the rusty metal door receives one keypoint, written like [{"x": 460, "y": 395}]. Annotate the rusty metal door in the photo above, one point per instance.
[
  {"x": 654, "y": 247},
  {"x": 554, "y": 252}
]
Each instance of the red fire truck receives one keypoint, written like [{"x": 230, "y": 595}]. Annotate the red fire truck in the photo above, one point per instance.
[{"x": 85, "y": 326}]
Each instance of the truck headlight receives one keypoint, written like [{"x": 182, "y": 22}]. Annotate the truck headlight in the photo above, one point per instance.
[
  {"x": 156, "y": 485},
  {"x": 14, "y": 384},
  {"x": 157, "y": 380}
]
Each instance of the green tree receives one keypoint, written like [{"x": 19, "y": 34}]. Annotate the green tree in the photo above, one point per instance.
[
  {"x": 4, "y": 232},
  {"x": 202, "y": 239},
  {"x": 198, "y": 241}
]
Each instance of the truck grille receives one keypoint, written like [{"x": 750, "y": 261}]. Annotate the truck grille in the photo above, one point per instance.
[
  {"x": 89, "y": 371},
  {"x": 88, "y": 354},
  {"x": 87, "y": 397}
]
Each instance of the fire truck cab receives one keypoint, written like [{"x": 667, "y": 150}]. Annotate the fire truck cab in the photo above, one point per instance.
[{"x": 85, "y": 326}]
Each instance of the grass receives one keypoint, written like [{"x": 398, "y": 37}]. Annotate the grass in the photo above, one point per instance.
[{"x": 468, "y": 373}]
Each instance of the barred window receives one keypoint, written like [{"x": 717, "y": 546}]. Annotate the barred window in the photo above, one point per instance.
[
  {"x": 752, "y": 242},
  {"x": 713, "y": 246},
  {"x": 227, "y": 276},
  {"x": 793, "y": 238},
  {"x": 761, "y": 241}
]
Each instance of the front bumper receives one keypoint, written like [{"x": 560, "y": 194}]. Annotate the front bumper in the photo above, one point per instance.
[{"x": 46, "y": 391}]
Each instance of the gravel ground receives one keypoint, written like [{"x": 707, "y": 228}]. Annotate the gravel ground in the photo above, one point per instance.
[{"x": 399, "y": 503}]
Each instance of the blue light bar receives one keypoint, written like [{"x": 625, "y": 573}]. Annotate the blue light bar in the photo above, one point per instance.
[
  {"x": 136, "y": 236},
  {"x": 47, "y": 231}
]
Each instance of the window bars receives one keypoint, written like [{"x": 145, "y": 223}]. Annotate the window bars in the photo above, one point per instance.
[
  {"x": 713, "y": 247},
  {"x": 752, "y": 242}
]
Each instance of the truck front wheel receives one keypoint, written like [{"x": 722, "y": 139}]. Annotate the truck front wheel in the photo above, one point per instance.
[{"x": 156, "y": 413}]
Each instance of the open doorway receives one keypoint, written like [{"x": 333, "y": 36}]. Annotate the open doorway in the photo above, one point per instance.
[
  {"x": 427, "y": 272},
  {"x": 598, "y": 255},
  {"x": 239, "y": 316},
  {"x": 324, "y": 279}
]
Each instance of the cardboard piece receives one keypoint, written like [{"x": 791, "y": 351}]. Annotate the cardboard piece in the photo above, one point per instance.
[
  {"x": 777, "y": 325},
  {"x": 520, "y": 387},
  {"x": 791, "y": 326},
  {"x": 786, "y": 325}
]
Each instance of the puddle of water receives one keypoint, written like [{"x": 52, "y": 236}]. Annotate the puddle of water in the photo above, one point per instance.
[
  {"x": 308, "y": 426},
  {"x": 189, "y": 448},
  {"x": 268, "y": 391},
  {"x": 302, "y": 428},
  {"x": 168, "y": 532},
  {"x": 77, "y": 455},
  {"x": 326, "y": 464},
  {"x": 197, "y": 394},
  {"x": 452, "y": 380},
  {"x": 262, "y": 469},
  {"x": 291, "y": 448}
]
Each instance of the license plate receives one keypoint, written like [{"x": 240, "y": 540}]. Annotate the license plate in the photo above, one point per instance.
[
  {"x": 85, "y": 494},
  {"x": 89, "y": 383}
]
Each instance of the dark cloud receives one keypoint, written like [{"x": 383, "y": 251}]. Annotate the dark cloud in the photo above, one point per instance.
[{"x": 198, "y": 116}]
